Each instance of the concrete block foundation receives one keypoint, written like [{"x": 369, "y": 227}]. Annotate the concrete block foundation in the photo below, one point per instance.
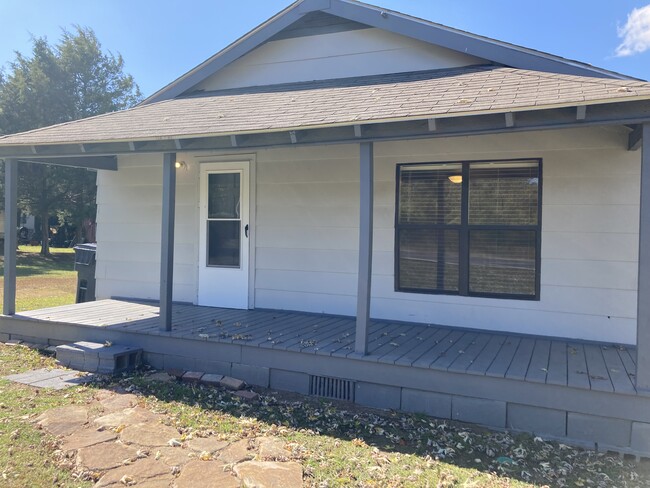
[
  {"x": 430, "y": 403},
  {"x": 289, "y": 381},
  {"x": 490, "y": 413},
  {"x": 539, "y": 421},
  {"x": 378, "y": 396}
]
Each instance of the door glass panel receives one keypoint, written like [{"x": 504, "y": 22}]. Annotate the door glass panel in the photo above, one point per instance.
[
  {"x": 223, "y": 242},
  {"x": 224, "y": 196}
]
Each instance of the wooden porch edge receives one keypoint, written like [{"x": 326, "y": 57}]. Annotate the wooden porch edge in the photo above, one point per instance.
[{"x": 604, "y": 404}]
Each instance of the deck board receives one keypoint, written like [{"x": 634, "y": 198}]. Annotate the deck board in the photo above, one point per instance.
[
  {"x": 521, "y": 360},
  {"x": 379, "y": 336},
  {"x": 440, "y": 349},
  {"x": 420, "y": 335},
  {"x": 467, "y": 358},
  {"x": 598, "y": 374},
  {"x": 310, "y": 336},
  {"x": 626, "y": 358},
  {"x": 515, "y": 357},
  {"x": 617, "y": 372},
  {"x": 410, "y": 357},
  {"x": 538, "y": 367},
  {"x": 487, "y": 356},
  {"x": 319, "y": 336},
  {"x": 557, "y": 364},
  {"x": 392, "y": 342},
  {"x": 578, "y": 375},
  {"x": 504, "y": 357}
]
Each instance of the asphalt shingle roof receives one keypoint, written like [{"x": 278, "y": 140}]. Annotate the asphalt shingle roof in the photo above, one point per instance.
[{"x": 370, "y": 99}]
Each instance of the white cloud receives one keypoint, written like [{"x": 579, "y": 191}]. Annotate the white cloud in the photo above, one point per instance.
[{"x": 635, "y": 33}]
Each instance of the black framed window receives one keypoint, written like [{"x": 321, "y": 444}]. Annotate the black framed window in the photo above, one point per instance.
[{"x": 469, "y": 228}]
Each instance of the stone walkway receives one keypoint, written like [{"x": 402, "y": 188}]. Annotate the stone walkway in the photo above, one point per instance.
[
  {"x": 119, "y": 443},
  {"x": 57, "y": 379}
]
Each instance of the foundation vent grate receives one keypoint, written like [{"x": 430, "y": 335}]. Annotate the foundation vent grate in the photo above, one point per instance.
[{"x": 335, "y": 388}]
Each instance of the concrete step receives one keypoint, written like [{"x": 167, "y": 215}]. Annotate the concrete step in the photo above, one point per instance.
[{"x": 98, "y": 358}]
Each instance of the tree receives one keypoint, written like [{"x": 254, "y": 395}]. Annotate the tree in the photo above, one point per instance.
[{"x": 71, "y": 80}]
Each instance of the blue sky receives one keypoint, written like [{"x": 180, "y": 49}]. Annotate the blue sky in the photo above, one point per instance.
[{"x": 162, "y": 39}]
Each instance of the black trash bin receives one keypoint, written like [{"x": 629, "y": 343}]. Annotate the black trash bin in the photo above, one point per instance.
[{"x": 84, "y": 264}]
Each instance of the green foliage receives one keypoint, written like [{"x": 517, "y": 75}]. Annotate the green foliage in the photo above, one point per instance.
[{"x": 70, "y": 80}]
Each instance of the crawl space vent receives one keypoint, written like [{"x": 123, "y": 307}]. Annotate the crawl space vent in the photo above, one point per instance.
[{"x": 335, "y": 388}]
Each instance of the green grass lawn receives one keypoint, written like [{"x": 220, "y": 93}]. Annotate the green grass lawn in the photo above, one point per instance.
[{"x": 44, "y": 281}]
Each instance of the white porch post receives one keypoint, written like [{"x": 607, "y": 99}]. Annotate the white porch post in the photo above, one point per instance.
[
  {"x": 365, "y": 246},
  {"x": 167, "y": 240},
  {"x": 11, "y": 236},
  {"x": 643, "y": 293}
]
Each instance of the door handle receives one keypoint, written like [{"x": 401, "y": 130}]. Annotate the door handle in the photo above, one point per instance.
[{"x": 246, "y": 230}]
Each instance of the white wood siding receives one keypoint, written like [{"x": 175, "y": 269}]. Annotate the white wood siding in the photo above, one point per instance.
[
  {"x": 336, "y": 55},
  {"x": 129, "y": 209},
  {"x": 307, "y": 234}
]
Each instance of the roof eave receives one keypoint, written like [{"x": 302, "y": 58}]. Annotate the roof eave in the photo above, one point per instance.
[{"x": 614, "y": 112}]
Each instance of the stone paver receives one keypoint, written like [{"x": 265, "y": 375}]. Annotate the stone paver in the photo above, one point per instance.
[
  {"x": 151, "y": 434},
  {"x": 272, "y": 449},
  {"x": 232, "y": 383},
  {"x": 174, "y": 456},
  {"x": 130, "y": 445},
  {"x": 143, "y": 472},
  {"x": 63, "y": 420},
  {"x": 206, "y": 444},
  {"x": 192, "y": 377},
  {"x": 86, "y": 438},
  {"x": 211, "y": 379},
  {"x": 262, "y": 474},
  {"x": 128, "y": 416},
  {"x": 236, "y": 452},
  {"x": 206, "y": 474},
  {"x": 104, "y": 457},
  {"x": 56, "y": 378},
  {"x": 175, "y": 373},
  {"x": 113, "y": 402}
]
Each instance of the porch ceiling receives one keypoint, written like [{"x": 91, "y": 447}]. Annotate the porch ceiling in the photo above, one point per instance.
[{"x": 449, "y": 102}]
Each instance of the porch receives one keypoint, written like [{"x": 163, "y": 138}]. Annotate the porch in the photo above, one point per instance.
[
  {"x": 533, "y": 359},
  {"x": 575, "y": 391}
]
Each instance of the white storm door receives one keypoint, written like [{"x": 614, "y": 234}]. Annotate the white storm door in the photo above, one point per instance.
[{"x": 224, "y": 231}]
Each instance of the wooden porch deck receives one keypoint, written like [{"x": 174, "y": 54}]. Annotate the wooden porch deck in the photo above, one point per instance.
[{"x": 587, "y": 366}]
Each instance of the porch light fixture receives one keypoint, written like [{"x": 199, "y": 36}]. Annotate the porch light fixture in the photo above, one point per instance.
[
  {"x": 456, "y": 178},
  {"x": 180, "y": 165}
]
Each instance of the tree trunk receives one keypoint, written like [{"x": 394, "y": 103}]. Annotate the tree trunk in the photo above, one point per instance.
[{"x": 45, "y": 234}]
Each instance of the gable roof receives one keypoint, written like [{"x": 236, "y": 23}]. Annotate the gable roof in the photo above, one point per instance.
[
  {"x": 446, "y": 93},
  {"x": 361, "y": 14}
]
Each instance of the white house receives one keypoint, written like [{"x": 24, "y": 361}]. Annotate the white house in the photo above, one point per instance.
[{"x": 434, "y": 186}]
